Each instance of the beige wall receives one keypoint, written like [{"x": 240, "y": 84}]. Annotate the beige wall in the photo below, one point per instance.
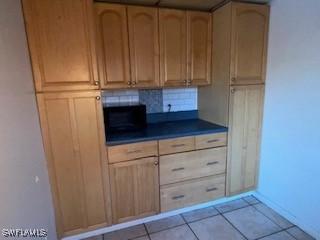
[{"x": 24, "y": 202}]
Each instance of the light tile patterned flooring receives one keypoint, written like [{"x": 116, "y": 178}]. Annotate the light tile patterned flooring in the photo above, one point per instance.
[{"x": 242, "y": 219}]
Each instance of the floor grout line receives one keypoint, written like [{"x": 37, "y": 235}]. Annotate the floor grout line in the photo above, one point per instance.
[
  {"x": 145, "y": 227},
  {"x": 282, "y": 230},
  {"x": 234, "y": 227},
  {"x": 190, "y": 227},
  {"x": 168, "y": 228}
]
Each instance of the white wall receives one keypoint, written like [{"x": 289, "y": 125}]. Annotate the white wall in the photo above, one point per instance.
[
  {"x": 290, "y": 156},
  {"x": 25, "y": 202}
]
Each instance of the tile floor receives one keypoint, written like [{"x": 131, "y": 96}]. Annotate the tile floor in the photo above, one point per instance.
[{"x": 242, "y": 219}]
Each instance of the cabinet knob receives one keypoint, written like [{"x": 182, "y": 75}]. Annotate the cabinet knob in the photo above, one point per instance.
[
  {"x": 129, "y": 83},
  {"x": 233, "y": 80},
  {"x": 156, "y": 163},
  {"x": 233, "y": 90},
  {"x": 134, "y": 82},
  {"x": 98, "y": 98},
  {"x": 96, "y": 83}
]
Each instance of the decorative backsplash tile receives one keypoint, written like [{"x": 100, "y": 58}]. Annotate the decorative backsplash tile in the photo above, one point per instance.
[
  {"x": 152, "y": 98},
  {"x": 156, "y": 100}
]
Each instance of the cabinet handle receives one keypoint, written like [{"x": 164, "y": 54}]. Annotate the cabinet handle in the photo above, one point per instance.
[
  {"x": 96, "y": 83},
  {"x": 177, "y": 197},
  {"x": 134, "y": 151},
  {"x": 177, "y": 169},
  {"x": 98, "y": 98},
  {"x": 233, "y": 90},
  {"x": 156, "y": 163},
  {"x": 178, "y": 145},
  {"x": 212, "y": 163},
  {"x": 211, "y": 189},
  {"x": 213, "y": 140}
]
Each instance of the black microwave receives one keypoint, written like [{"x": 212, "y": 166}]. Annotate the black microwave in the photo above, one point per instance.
[{"x": 124, "y": 117}]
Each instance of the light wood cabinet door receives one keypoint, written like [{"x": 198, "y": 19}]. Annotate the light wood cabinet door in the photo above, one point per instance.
[
  {"x": 135, "y": 189},
  {"x": 246, "y": 104},
  {"x": 173, "y": 47},
  {"x": 199, "y": 25},
  {"x": 249, "y": 43},
  {"x": 73, "y": 135},
  {"x": 61, "y": 43},
  {"x": 144, "y": 46},
  {"x": 112, "y": 36}
]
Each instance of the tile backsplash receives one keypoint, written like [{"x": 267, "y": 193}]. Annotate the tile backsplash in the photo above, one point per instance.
[{"x": 156, "y": 100}]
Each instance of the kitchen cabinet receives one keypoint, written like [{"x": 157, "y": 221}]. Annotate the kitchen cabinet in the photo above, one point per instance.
[
  {"x": 113, "y": 51},
  {"x": 199, "y": 35},
  {"x": 135, "y": 189},
  {"x": 194, "y": 191},
  {"x": 61, "y": 42},
  {"x": 248, "y": 43},
  {"x": 173, "y": 47},
  {"x": 73, "y": 136},
  {"x": 246, "y": 104},
  {"x": 235, "y": 97},
  {"x": 143, "y": 46}
]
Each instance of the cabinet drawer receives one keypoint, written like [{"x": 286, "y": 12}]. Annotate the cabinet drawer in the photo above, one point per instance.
[
  {"x": 211, "y": 140},
  {"x": 176, "y": 145},
  {"x": 132, "y": 151},
  {"x": 185, "y": 166},
  {"x": 183, "y": 194}
]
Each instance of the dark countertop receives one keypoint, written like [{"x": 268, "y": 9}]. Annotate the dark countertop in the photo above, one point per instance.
[{"x": 165, "y": 130}]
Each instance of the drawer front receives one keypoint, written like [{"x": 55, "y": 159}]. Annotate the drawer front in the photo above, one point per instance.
[
  {"x": 176, "y": 145},
  {"x": 132, "y": 151},
  {"x": 187, "y": 193},
  {"x": 185, "y": 166},
  {"x": 211, "y": 140}
]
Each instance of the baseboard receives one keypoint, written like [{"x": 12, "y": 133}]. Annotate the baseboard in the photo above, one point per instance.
[
  {"x": 153, "y": 218},
  {"x": 282, "y": 211}
]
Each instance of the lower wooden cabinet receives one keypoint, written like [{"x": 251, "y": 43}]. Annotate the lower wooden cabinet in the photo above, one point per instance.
[
  {"x": 135, "y": 189},
  {"x": 73, "y": 135},
  {"x": 246, "y": 105},
  {"x": 183, "y": 194}
]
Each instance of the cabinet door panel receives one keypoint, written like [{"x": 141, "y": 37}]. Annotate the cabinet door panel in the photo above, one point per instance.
[
  {"x": 113, "y": 51},
  {"x": 72, "y": 129},
  {"x": 61, "y": 42},
  {"x": 199, "y": 47},
  {"x": 173, "y": 47},
  {"x": 144, "y": 46},
  {"x": 244, "y": 137},
  {"x": 249, "y": 43},
  {"x": 135, "y": 189}
]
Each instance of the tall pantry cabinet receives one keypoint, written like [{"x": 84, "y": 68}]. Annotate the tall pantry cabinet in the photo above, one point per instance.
[
  {"x": 62, "y": 48},
  {"x": 235, "y": 98}
]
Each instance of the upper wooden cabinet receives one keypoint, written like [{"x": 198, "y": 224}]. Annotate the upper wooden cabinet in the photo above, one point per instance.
[
  {"x": 173, "y": 47},
  {"x": 61, "y": 43},
  {"x": 135, "y": 189},
  {"x": 73, "y": 135},
  {"x": 113, "y": 51},
  {"x": 144, "y": 46},
  {"x": 199, "y": 47},
  {"x": 246, "y": 106},
  {"x": 249, "y": 43}
]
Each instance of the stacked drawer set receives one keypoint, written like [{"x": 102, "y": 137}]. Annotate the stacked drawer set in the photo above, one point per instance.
[{"x": 185, "y": 171}]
